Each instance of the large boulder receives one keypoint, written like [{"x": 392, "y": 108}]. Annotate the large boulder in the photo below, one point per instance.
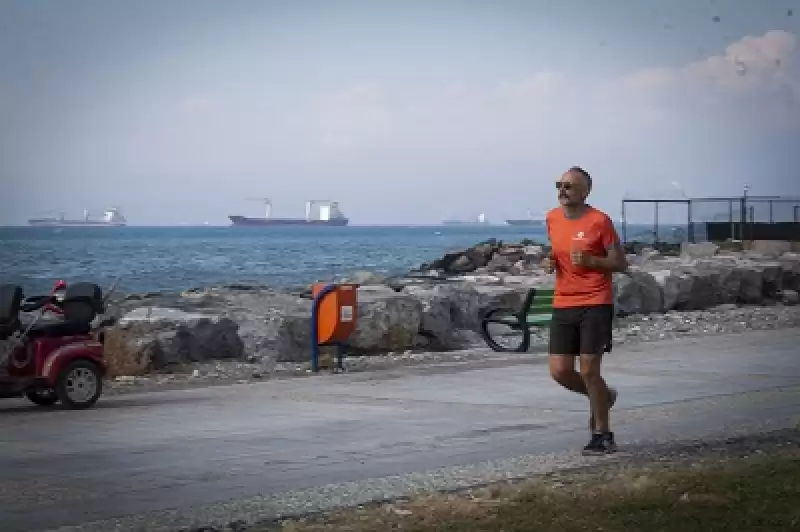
[
  {"x": 790, "y": 297},
  {"x": 387, "y": 321},
  {"x": 471, "y": 300},
  {"x": 771, "y": 248},
  {"x": 366, "y": 278},
  {"x": 751, "y": 290},
  {"x": 686, "y": 288},
  {"x": 501, "y": 263},
  {"x": 701, "y": 250},
  {"x": 637, "y": 293},
  {"x": 437, "y": 323},
  {"x": 269, "y": 322},
  {"x": 790, "y": 264},
  {"x": 772, "y": 276},
  {"x": 154, "y": 338}
]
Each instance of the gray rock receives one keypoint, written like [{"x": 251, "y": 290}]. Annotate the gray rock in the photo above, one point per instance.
[
  {"x": 637, "y": 293},
  {"x": 790, "y": 264},
  {"x": 533, "y": 252},
  {"x": 688, "y": 288},
  {"x": 671, "y": 288},
  {"x": 772, "y": 276},
  {"x": 387, "y": 321},
  {"x": 500, "y": 263},
  {"x": 470, "y": 300},
  {"x": 462, "y": 264},
  {"x": 790, "y": 297},
  {"x": 365, "y": 278},
  {"x": 772, "y": 249},
  {"x": 751, "y": 290},
  {"x": 270, "y": 323},
  {"x": 437, "y": 323},
  {"x": 700, "y": 250},
  {"x": 153, "y": 338}
]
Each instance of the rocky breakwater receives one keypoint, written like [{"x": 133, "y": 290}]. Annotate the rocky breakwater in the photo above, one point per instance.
[
  {"x": 704, "y": 276},
  {"x": 435, "y": 308},
  {"x": 157, "y": 332},
  {"x": 491, "y": 256}
]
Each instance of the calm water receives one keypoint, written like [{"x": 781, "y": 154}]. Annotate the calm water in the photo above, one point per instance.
[
  {"x": 177, "y": 258},
  {"x": 150, "y": 259}
]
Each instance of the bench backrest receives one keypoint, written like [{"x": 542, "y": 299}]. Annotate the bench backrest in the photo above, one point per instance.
[{"x": 539, "y": 301}]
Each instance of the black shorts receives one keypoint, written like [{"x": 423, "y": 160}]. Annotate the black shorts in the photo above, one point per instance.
[{"x": 581, "y": 330}]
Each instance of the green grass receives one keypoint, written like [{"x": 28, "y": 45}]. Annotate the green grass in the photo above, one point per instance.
[{"x": 760, "y": 493}]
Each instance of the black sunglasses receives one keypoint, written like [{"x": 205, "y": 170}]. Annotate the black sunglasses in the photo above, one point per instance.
[{"x": 560, "y": 185}]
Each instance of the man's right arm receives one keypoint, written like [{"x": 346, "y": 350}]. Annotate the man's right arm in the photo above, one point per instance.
[
  {"x": 615, "y": 259},
  {"x": 549, "y": 262}
]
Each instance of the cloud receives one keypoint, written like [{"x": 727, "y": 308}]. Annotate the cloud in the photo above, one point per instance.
[
  {"x": 753, "y": 85},
  {"x": 759, "y": 75},
  {"x": 750, "y": 63}
]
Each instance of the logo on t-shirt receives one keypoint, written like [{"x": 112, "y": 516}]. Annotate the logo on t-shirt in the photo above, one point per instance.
[{"x": 579, "y": 236}]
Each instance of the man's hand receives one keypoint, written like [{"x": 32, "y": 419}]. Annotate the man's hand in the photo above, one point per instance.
[
  {"x": 615, "y": 261},
  {"x": 581, "y": 258},
  {"x": 548, "y": 264}
]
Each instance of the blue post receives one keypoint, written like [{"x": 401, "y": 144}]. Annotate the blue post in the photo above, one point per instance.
[
  {"x": 314, "y": 327},
  {"x": 340, "y": 356}
]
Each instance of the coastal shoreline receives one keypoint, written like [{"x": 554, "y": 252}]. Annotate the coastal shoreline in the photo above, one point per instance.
[
  {"x": 432, "y": 314},
  {"x": 629, "y": 331}
]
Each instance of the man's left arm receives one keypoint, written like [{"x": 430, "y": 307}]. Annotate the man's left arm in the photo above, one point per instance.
[{"x": 615, "y": 259}]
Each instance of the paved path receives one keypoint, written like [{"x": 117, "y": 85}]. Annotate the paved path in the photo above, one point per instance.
[{"x": 177, "y": 452}]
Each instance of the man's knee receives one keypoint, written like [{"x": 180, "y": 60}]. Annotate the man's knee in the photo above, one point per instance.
[
  {"x": 562, "y": 368},
  {"x": 590, "y": 367}
]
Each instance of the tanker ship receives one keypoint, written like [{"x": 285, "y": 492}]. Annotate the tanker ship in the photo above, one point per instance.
[
  {"x": 111, "y": 218},
  {"x": 329, "y": 215},
  {"x": 530, "y": 221}
]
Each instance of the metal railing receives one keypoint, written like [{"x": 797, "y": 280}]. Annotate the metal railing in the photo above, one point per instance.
[{"x": 721, "y": 218}]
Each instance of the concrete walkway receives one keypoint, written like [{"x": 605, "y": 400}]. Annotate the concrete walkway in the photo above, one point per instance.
[{"x": 173, "y": 453}]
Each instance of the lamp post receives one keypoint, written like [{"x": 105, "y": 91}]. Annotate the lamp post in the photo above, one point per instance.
[{"x": 744, "y": 210}]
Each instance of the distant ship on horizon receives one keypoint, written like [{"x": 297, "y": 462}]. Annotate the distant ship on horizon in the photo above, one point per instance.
[
  {"x": 530, "y": 221},
  {"x": 329, "y": 215},
  {"x": 111, "y": 218}
]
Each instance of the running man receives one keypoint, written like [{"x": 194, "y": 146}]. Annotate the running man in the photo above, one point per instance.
[{"x": 586, "y": 251}]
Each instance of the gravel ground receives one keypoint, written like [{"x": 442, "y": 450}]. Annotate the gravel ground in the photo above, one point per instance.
[
  {"x": 269, "y": 513},
  {"x": 724, "y": 319}
]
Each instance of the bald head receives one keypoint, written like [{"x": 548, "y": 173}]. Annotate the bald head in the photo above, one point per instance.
[
  {"x": 574, "y": 187},
  {"x": 582, "y": 174}
]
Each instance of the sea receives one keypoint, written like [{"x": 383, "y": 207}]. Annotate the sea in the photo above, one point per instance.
[{"x": 153, "y": 259}]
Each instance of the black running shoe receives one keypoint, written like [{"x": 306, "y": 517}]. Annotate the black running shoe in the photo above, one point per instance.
[
  {"x": 612, "y": 398},
  {"x": 600, "y": 444}
]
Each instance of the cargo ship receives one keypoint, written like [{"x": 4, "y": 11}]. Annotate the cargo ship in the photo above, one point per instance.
[
  {"x": 111, "y": 218},
  {"x": 329, "y": 215},
  {"x": 530, "y": 221}
]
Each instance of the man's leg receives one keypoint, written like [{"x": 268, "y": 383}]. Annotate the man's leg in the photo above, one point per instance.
[
  {"x": 595, "y": 337},
  {"x": 562, "y": 370},
  {"x": 599, "y": 394},
  {"x": 564, "y": 348}
]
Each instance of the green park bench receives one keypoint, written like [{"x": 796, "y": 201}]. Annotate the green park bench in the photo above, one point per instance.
[{"x": 536, "y": 312}]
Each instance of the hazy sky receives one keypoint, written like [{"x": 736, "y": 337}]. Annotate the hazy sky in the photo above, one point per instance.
[{"x": 405, "y": 112}]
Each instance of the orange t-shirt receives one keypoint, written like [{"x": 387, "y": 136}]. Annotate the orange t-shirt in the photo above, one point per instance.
[{"x": 593, "y": 233}]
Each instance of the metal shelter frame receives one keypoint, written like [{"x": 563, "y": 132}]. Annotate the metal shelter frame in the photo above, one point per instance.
[{"x": 745, "y": 211}]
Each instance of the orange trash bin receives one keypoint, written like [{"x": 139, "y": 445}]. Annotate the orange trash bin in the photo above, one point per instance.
[{"x": 334, "y": 316}]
